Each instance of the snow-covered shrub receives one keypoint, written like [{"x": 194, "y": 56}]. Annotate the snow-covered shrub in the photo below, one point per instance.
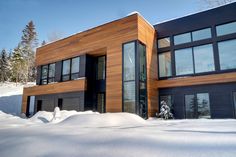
[{"x": 165, "y": 111}]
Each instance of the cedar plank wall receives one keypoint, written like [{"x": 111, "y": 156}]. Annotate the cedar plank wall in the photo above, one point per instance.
[
  {"x": 147, "y": 35},
  {"x": 107, "y": 37}
]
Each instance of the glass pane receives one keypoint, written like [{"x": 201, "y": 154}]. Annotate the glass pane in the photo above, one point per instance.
[
  {"x": 201, "y": 34},
  {"x": 167, "y": 99},
  {"x": 165, "y": 64},
  {"x": 182, "y": 38},
  {"x": 129, "y": 96},
  {"x": 184, "y": 61},
  {"x": 227, "y": 53},
  {"x": 142, "y": 65},
  {"x": 129, "y": 61},
  {"x": 66, "y": 67},
  {"x": 51, "y": 70},
  {"x": 44, "y": 72},
  {"x": 203, "y": 105},
  {"x": 50, "y": 80},
  {"x": 65, "y": 77},
  {"x": 75, "y": 65},
  {"x": 189, "y": 106},
  {"x": 203, "y": 58},
  {"x": 101, "y": 67},
  {"x": 44, "y": 81},
  {"x": 74, "y": 76},
  {"x": 101, "y": 102},
  {"x": 165, "y": 42},
  {"x": 226, "y": 29},
  {"x": 234, "y": 103}
]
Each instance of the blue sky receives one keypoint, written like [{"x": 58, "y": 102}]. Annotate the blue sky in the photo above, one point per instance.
[{"x": 67, "y": 17}]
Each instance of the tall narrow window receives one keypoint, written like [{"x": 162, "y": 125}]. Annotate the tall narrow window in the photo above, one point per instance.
[
  {"x": 234, "y": 96},
  {"x": 165, "y": 64},
  {"x": 129, "y": 77},
  {"x": 51, "y": 74},
  {"x": 190, "y": 106},
  {"x": 203, "y": 105},
  {"x": 184, "y": 61},
  {"x": 44, "y": 74},
  {"x": 66, "y": 70},
  {"x": 75, "y": 68},
  {"x": 101, "y": 68}
]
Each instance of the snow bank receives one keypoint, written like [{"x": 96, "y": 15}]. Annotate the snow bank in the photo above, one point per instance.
[{"x": 104, "y": 120}]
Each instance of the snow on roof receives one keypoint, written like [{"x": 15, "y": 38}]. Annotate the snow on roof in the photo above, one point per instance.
[
  {"x": 192, "y": 14},
  {"x": 136, "y": 12}
]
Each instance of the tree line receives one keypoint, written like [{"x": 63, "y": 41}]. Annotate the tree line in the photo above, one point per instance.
[{"x": 18, "y": 65}]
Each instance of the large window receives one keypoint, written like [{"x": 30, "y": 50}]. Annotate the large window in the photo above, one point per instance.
[
  {"x": 203, "y": 58},
  {"x": 182, "y": 38},
  {"x": 129, "y": 77},
  {"x": 165, "y": 42},
  {"x": 201, "y": 34},
  {"x": 47, "y": 73},
  {"x": 226, "y": 29},
  {"x": 134, "y": 78},
  {"x": 165, "y": 64},
  {"x": 184, "y": 61},
  {"x": 227, "y": 53},
  {"x": 197, "y": 106},
  {"x": 70, "y": 69}
]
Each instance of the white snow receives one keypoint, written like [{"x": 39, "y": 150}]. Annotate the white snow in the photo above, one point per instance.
[
  {"x": 90, "y": 134},
  {"x": 11, "y": 96}
]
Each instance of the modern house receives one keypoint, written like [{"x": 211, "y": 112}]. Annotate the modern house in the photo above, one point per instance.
[{"x": 129, "y": 65}]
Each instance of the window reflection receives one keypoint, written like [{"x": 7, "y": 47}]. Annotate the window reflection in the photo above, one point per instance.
[
  {"x": 227, "y": 53},
  {"x": 165, "y": 42},
  {"x": 203, "y": 107},
  {"x": 184, "y": 61},
  {"x": 165, "y": 64},
  {"x": 182, "y": 38},
  {"x": 201, "y": 34},
  {"x": 226, "y": 29},
  {"x": 129, "y": 61}
]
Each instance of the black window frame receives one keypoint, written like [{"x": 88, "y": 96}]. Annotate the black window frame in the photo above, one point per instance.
[
  {"x": 47, "y": 78},
  {"x": 70, "y": 72}
]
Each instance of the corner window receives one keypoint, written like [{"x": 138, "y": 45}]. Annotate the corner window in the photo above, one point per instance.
[
  {"x": 227, "y": 53},
  {"x": 201, "y": 34},
  {"x": 48, "y": 73},
  {"x": 165, "y": 64},
  {"x": 184, "y": 61},
  {"x": 226, "y": 29},
  {"x": 182, "y": 38},
  {"x": 165, "y": 42},
  {"x": 203, "y": 58}
]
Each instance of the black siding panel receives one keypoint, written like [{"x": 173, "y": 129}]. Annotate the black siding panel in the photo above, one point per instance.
[{"x": 58, "y": 71}]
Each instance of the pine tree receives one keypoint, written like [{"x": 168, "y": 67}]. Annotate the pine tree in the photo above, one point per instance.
[
  {"x": 29, "y": 43},
  {"x": 3, "y": 66},
  {"x": 18, "y": 65},
  {"x": 43, "y": 43}
]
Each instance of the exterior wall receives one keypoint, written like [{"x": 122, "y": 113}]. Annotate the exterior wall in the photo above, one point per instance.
[
  {"x": 221, "y": 99},
  {"x": 106, "y": 40},
  {"x": 74, "y": 100}
]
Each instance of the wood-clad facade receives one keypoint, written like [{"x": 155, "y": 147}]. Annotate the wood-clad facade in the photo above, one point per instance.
[{"x": 92, "y": 65}]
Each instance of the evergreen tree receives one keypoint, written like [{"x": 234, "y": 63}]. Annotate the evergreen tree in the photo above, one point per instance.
[
  {"x": 3, "y": 66},
  {"x": 43, "y": 43},
  {"x": 18, "y": 65},
  {"x": 29, "y": 43}
]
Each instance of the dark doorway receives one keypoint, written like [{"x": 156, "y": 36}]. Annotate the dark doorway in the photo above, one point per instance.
[
  {"x": 39, "y": 105},
  {"x": 60, "y": 103}
]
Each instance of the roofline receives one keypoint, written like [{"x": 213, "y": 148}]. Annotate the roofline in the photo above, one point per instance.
[
  {"x": 89, "y": 29},
  {"x": 192, "y": 14}
]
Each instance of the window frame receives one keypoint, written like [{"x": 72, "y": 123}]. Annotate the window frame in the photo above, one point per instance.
[
  {"x": 70, "y": 71},
  {"x": 222, "y": 24},
  {"x": 47, "y": 77}
]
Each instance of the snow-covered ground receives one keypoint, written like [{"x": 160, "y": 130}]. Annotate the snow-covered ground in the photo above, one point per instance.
[
  {"x": 11, "y": 96},
  {"x": 89, "y": 134}
]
